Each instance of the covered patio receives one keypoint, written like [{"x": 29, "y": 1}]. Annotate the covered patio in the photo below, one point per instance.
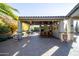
[
  {"x": 58, "y": 26},
  {"x": 54, "y": 24}
]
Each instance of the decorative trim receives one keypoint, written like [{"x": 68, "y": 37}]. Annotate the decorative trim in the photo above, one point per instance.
[{"x": 41, "y": 17}]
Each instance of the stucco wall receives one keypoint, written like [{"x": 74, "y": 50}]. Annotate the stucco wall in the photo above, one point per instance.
[
  {"x": 56, "y": 34},
  {"x": 61, "y": 29}
]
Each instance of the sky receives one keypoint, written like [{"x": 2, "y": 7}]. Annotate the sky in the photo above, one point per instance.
[{"x": 43, "y": 9}]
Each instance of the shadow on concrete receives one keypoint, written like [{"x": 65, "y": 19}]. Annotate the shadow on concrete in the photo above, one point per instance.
[
  {"x": 36, "y": 47},
  {"x": 39, "y": 45}
]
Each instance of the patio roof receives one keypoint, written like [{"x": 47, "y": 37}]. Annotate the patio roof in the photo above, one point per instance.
[{"x": 41, "y": 17}]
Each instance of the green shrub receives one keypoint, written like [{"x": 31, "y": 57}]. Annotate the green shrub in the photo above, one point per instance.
[
  {"x": 36, "y": 29},
  {"x": 4, "y": 29},
  {"x": 4, "y": 37}
]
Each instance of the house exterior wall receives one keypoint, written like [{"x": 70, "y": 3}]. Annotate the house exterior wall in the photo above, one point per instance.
[
  {"x": 76, "y": 13},
  {"x": 72, "y": 23}
]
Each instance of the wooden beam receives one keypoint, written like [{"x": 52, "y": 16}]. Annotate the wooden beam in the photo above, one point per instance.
[{"x": 75, "y": 17}]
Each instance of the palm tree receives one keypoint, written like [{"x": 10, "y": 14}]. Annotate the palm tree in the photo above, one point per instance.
[{"x": 5, "y": 9}]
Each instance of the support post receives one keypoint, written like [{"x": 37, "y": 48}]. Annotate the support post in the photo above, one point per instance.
[
  {"x": 70, "y": 30},
  {"x": 40, "y": 29},
  {"x": 61, "y": 30},
  {"x": 19, "y": 30}
]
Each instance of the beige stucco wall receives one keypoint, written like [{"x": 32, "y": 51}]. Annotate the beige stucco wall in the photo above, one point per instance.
[{"x": 61, "y": 29}]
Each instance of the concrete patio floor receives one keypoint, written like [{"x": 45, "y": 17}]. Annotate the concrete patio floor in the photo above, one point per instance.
[{"x": 34, "y": 45}]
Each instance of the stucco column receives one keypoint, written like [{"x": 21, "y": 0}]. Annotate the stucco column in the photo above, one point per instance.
[
  {"x": 61, "y": 30},
  {"x": 70, "y": 29},
  {"x": 19, "y": 30}
]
